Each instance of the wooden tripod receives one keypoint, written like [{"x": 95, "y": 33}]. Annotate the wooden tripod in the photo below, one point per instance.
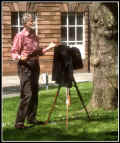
[{"x": 67, "y": 102}]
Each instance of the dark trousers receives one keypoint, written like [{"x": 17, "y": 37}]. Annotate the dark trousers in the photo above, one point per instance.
[{"x": 29, "y": 76}]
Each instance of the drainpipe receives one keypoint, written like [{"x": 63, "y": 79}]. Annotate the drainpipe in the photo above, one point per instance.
[{"x": 88, "y": 41}]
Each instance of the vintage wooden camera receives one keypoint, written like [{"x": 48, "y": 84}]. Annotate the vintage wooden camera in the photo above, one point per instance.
[{"x": 66, "y": 60}]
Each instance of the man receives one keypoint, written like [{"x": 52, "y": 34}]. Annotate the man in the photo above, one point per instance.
[{"x": 24, "y": 44}]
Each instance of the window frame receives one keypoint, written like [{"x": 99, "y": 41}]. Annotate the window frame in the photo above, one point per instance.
[
  {"x": 81, "y": 45},
  {"x": 67, "y": 26}
]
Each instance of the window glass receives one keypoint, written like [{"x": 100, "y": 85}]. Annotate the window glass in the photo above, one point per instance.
[
  {"x": 14, "y": 18},
  {"x": 71, "y": 33},
  {"x": 64, "y": 18},
  {"x": 71, "y": 18},
  {"x": 80, "y": 18},
  {"x": 20, "y": 16},
  {"x": 79, "y": 33},
  {"x": 64, "y": 34}
]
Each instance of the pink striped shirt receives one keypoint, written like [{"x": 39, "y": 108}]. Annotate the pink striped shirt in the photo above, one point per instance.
[{"x": 24, "y": 43}]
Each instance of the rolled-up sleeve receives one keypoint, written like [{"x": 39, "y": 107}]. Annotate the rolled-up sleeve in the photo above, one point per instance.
[
  {"x": 17, "y": 46},
  {"x": 41, "y": 48}
]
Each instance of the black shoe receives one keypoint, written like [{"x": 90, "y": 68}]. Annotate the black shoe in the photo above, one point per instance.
[
  {"x": 36, "y": 122},
  {"x": 20, "y": 126}
]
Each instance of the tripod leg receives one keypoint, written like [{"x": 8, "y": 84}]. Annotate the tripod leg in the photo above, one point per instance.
[
  {"x": 49, "y": 115},
  {"x": 67, "y": 117},
  {"x": 81, "y": 99},
  {"x": 67, "y": 105}
]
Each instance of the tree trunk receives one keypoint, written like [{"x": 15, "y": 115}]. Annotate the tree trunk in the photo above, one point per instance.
[{"x": 103, "y": 46}]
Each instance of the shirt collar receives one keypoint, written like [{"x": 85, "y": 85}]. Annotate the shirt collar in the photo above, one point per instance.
[{"x": 25, "y": 32}]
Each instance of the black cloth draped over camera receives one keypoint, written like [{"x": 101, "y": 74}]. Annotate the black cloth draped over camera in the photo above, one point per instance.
[{"x": 66, "y": 60}]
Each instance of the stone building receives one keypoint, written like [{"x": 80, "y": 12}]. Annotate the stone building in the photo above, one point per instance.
[{"x": 54, "y": 21}]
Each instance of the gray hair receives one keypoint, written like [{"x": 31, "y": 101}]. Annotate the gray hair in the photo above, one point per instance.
[{"x": 26, "y": 17}]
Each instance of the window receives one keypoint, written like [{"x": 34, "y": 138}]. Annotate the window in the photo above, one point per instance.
[
  {"x": 16, "y": 22},
  {"x": 72, "y": 30}
]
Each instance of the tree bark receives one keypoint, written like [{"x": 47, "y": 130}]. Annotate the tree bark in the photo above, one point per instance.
[{"x": 103, "y": 57}]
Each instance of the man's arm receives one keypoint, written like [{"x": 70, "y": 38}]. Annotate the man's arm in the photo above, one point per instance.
[
  {"x": 51, "y": 45},
  {"x": 16, "y": 48},
  {"x": 40, "y": 51}
]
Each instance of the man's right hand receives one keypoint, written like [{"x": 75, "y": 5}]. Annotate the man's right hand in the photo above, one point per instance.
[{"x": 23, "y": 58}]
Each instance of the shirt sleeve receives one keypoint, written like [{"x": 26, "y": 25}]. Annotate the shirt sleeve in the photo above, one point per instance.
[
  {"x": 41, "y": 51},
  {"x": 17, "y": 46}
]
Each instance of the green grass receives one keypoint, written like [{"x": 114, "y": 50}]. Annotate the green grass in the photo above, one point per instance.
[{"x": 102, "y": 127}]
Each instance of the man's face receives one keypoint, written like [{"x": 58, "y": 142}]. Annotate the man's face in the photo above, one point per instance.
[{"x": 30, "y": 23}]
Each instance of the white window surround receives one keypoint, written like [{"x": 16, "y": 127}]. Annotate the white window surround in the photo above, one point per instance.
[{"x": 81, "y": 46}]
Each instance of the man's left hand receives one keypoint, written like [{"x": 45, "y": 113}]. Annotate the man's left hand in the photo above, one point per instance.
[{"x": 52, "y": 45}]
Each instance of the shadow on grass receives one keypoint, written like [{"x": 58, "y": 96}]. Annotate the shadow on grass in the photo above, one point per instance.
[
  {"x": 16, "y": 89},
  {"x": 45, "y": 133},
  {"x": 52, "y": 132},
  {"x": 101, "y": 118},
  {"x": 11, "y": 89}
]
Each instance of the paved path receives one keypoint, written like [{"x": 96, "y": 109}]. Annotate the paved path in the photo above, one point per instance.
[{"x": 11, "y": 84}]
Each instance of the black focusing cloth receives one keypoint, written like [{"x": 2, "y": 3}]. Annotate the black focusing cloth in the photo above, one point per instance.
[
  {"x": 65, "y": 61},
  {"x": 76, "y": 58}
]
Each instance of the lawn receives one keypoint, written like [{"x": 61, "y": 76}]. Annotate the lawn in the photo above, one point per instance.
[{"x": 102, "y": 127}]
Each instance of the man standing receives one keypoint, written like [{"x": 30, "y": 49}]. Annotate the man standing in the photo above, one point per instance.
[{"x": 24, "y": 44}]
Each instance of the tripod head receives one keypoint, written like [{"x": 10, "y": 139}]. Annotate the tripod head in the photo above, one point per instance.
[{"x": 66, "y": 59}]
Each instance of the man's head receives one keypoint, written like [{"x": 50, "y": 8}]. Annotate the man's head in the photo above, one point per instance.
[{"x": 28, "y": 21}]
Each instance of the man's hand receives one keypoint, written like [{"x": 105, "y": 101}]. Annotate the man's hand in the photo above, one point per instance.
[
  {"x": 51, "y": 45},
  {"x": 23, "y": 58}
]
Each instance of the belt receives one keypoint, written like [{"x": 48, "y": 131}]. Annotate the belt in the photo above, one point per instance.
[{"x": 34, "y": 58}]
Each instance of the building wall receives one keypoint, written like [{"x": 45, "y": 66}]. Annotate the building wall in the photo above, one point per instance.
[{"x": 49, "y": 29}]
